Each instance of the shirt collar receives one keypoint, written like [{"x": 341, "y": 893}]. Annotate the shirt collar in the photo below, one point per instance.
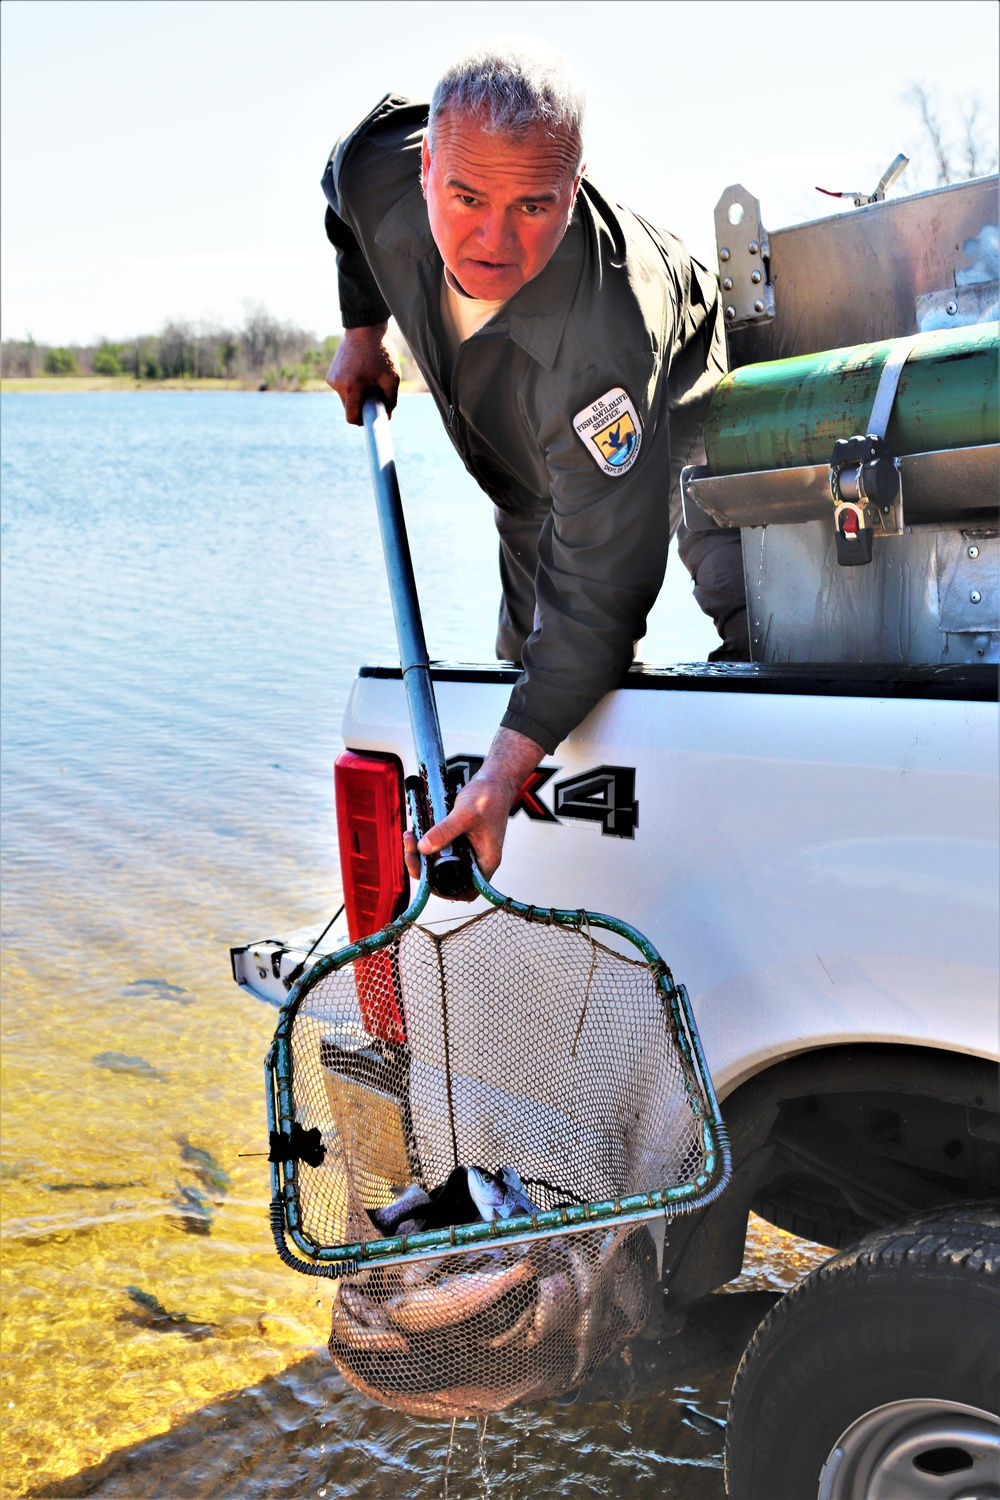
[{"x": 535, "y": 317}]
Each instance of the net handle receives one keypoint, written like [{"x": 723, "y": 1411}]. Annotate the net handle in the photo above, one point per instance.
[{"x": 451, "y": 867}]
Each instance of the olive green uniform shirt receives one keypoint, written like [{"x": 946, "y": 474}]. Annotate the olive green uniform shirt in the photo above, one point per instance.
[{"x": 619, "y": 306}]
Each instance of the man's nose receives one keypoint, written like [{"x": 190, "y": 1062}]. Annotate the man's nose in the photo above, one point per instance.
[{"x": 496, "y": 231}]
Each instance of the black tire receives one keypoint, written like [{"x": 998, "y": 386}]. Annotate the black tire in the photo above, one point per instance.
[{"x": 908, "y": 1313}]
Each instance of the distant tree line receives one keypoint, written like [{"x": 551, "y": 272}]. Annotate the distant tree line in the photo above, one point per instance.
[{"x": 263, "y": 353}]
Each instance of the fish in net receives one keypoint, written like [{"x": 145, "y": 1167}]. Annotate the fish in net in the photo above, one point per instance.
[{"x": 475, "y": 1333}]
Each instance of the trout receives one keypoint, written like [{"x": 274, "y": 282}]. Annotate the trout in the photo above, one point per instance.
[
  {"x": 359, "y": 1323},
  {"x": 554, "y": 1308},
  {"x": 455, "y": 1298}
]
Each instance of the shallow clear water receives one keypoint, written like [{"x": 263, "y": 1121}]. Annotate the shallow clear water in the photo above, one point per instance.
[{"x": 190, "y": 582}]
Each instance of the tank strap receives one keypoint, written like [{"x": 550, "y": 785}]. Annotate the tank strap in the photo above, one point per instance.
[{"x": 888, "y": 385}]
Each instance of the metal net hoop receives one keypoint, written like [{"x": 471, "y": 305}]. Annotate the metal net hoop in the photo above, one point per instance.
[{"x": 503, "y": 1040}]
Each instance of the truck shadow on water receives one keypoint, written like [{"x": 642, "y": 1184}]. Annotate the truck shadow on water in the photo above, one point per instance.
[{"x": 650, "y": 1422}]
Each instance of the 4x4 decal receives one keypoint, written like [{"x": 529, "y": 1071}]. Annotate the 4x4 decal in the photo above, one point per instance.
[{"x": 605, "y": 795}]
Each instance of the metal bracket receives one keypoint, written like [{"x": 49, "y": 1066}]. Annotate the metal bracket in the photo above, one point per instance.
[
  {"x": 958, "y": 306},
  {"x": 744, "y": 256},
  {"x": 943, "y": 487},
  {"x": 696, "y": 517},
  {"x": 864, "y": 475}
]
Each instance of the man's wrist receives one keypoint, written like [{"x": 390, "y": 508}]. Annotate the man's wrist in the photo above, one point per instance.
[
  {"x": 510, "y": 759},
  {"x": 368, "y": 333}
]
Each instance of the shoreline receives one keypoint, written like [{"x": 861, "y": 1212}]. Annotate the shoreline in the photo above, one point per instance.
[{"x": 52, "y": 385}]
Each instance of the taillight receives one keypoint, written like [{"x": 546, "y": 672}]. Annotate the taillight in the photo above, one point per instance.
[{"x": 370, "y": 830}]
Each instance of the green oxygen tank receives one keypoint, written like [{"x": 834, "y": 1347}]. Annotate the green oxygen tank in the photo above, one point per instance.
[{"x": 790, "y": 412}]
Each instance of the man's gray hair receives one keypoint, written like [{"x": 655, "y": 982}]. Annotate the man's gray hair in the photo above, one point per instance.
[{"x": 512, "y": 84}]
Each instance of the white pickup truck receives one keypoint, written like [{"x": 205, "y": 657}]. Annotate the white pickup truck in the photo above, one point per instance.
[{"x": 811, "y": 839}]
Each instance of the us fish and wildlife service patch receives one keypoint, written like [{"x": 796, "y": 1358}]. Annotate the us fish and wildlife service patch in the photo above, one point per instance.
[{"x": 611, "y": 431}]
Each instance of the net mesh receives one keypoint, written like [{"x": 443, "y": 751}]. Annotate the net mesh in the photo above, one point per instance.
[{"x": 501, "y": 1042}]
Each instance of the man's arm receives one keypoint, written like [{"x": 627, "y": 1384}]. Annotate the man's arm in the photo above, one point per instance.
[
  {"x": 483, "y": 806},
  {"x": 363, "y": 361}
]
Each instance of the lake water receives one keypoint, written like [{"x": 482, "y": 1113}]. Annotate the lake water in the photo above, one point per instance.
[{"x": 190, "y": 582}]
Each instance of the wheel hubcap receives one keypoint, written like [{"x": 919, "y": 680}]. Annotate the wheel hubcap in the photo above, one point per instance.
[{"x": 916, "y": 1450}]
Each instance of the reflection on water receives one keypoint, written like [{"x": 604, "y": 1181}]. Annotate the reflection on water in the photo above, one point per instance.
[
  {"x": 306, "y": 1433},
  {"x": 190, "y": 583}
]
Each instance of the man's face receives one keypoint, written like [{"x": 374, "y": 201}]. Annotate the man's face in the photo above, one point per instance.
[{"x": 498, "y": 205}]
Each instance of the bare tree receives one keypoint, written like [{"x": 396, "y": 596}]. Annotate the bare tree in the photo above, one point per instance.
[
  {"x": 262, "y": 337},
  {"x": 176, "y": 352},
  {"x": 980, "y": 142},
  {"x": 21, "y": 356},
  {"x": 962, "y": 135}
]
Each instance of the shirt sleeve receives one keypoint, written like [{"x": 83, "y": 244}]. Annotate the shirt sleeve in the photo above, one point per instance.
[
  {"x": 361, "y": 303},
  {"x": 602, "y": 552}
]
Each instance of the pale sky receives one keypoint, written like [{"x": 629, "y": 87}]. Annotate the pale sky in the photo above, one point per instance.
[{"x": 161, "y": 158}]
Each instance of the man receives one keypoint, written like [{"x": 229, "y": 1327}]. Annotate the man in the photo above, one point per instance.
[{"x": 571, "y": 350}]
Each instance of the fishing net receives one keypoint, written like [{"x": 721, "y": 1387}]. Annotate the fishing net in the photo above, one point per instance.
[{"x": 513, "y": 1040}]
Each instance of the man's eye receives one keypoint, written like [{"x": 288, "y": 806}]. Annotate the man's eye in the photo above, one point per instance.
[
  {"x": 467, "y": 200},
  {"x": 533, "y": 210}
]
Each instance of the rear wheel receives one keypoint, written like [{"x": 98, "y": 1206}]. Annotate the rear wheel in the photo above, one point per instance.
[{"x": 878, "y": 1377}]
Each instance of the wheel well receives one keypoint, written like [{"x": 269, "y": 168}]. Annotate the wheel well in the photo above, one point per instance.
[{"x": 833, "y": 1143}]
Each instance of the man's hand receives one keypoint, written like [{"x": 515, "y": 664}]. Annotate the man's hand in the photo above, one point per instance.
[
  {"x": 362, "y": 364},
  {"x": 483, "y": 806}
]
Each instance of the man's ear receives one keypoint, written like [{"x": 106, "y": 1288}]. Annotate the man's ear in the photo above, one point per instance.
[
  {"x": 425, "y": 163},
  {"x": 576, "y": 188}
]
